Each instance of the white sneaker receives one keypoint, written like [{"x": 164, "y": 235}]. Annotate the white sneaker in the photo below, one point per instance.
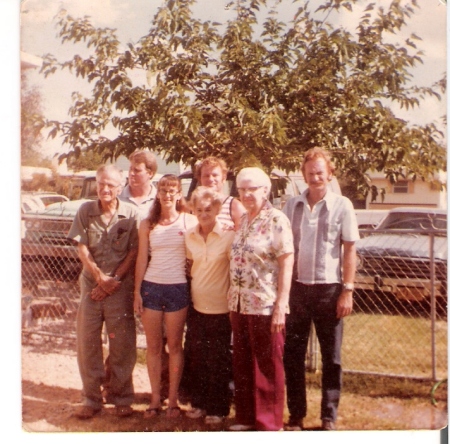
[
  {"x": 195, "y": 413},
  {"x": 240, "y": 428},
  {"x": 212, "y": 419}
]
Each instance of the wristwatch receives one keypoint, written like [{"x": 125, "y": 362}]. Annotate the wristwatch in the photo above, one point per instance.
[{"x": 348, "y": 286}]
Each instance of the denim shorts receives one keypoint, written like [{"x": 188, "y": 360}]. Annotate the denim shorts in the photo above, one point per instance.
[{"x": 164, "y": 297}]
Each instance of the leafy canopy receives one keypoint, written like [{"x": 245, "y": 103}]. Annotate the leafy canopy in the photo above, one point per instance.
[
  {"x": 32, "y": 122},
  {"x": 256, "y": 90}
]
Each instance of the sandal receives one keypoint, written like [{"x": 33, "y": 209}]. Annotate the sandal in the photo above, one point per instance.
[
  {"x": 173, "y": 412},
  {"x": 152, "y": 412}
]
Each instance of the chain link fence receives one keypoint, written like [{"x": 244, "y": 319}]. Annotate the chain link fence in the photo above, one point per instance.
[
  {"x": 398, "y": 327},
  {"x": 399, "y": 323}
]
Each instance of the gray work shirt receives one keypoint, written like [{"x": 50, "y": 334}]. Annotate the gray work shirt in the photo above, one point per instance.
[{"x": 110, "y": 243}]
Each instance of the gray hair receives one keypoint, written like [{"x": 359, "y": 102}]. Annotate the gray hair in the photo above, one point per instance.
[
  {"x": 256, "y": 175},
  {"x": 111, "y": 170}
]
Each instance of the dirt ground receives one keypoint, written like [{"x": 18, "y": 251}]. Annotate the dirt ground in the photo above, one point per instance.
[{"x": 51, "y": 392}]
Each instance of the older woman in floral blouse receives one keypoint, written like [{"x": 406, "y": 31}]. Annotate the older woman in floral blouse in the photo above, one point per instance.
[{"x": 260, "y": 273}]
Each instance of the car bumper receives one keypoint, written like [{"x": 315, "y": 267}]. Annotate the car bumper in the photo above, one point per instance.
[
  {"x": 405, "y": 289},
  {"x": 63, "y": 252}
]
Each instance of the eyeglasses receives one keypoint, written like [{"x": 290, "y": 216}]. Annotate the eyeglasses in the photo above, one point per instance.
[
  {"x": 168, "y": 192},
  {"x": 251, "y": 190}
]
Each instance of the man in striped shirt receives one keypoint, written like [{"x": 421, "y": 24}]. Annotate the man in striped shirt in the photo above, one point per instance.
[
  {"x": 212, "y": 173},
  {"x": 325, "y": 230}
]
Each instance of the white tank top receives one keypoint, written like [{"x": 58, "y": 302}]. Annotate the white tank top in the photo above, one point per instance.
[{"x": 168, "y": 252}]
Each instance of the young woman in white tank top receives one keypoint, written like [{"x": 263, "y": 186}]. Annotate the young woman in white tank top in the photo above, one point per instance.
[{"x": 161, "y": 295}]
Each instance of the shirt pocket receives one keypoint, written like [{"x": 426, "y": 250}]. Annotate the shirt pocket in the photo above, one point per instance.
[
  {"x": 94, "y": 237},
  {"x": 119, "y": 239},
  {"x": 333, "y": 233}
]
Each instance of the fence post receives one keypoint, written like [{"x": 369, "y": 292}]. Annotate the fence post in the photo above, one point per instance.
[
  {"x": 433, "y": 308},
  {"x": 312, "y": 355}
]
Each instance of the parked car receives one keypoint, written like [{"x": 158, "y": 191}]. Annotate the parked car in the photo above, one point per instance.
[
  {"x": 395, "y": 257},
  {"x": 33, "y": 202},
  {"x": 45, "y": 239},
  {"x": 50, "y": 198},
  {"x": 368, "y": 219},
  {"x": 29, "y": 204}
]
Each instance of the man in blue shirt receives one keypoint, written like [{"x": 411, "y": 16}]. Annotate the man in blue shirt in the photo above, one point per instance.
[{"x": 325, "y": 230}]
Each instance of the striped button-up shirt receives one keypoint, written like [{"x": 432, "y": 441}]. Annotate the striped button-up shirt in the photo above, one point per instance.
[{"x": 318, "y": 236}]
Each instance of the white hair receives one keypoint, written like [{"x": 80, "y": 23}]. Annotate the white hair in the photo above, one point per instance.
[
  {"x": 114, "y": 172},
  {"x": 256, "y": 175}
]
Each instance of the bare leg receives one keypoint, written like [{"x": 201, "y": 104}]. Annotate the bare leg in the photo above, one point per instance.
[
  {"x": 152, "y": 321},
  {"x": 174, "y": 329}
]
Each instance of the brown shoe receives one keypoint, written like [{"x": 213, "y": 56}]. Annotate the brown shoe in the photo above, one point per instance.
[
  {"x": 327, "y": 424},
  {"x": 86, "y": 412},
  {"x": 123, "y": 411}
]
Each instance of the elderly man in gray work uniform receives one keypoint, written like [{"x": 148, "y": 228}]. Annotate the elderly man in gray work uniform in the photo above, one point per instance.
[
  {"x": 141, "y": 194},
  {"x": 106, "y": 233}
]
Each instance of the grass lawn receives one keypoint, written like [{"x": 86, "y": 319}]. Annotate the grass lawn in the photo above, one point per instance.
[{"x": 394, "y": 345}]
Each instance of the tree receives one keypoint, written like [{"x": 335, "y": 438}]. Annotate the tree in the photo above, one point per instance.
[
  {"x": 252, "y": 97},
  {"x": 31, "y": 123},
  {"x": 86, "y": 160}
]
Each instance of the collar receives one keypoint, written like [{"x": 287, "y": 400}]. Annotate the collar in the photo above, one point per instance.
[
  {"x": 127, "y": 194},
  {"x": 120, "y": 211},
  {"x": 218, "y": 229},
  {"x": 329, "y": 198},
  {"x": 267, "y": 206}
]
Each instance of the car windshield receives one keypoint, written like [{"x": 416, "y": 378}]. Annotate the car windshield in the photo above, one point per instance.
[
  {"x": 48, "y": 200},
  {"x": 414, "y": 221}
]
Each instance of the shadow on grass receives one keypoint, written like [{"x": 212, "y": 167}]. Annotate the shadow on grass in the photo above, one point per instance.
[
  {"x": 400, "y": 388},
  {"x": 368, "y": 403},
  {"x": 55, "y": 407}
]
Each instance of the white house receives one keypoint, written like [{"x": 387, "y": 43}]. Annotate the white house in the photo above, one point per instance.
[{"x": 407, "y": 192}]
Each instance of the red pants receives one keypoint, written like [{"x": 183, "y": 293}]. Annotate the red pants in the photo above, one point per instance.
[{"x": 258, "y": 372}]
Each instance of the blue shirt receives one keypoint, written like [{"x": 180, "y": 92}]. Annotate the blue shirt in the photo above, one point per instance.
[{"x": 318, "y": 236}]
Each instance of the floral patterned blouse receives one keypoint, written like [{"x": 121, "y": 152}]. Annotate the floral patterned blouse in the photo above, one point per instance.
[{"x": 254, "y": 266}]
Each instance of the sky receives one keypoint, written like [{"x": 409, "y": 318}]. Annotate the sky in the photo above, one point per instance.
[{"x": 132, "y": 19}]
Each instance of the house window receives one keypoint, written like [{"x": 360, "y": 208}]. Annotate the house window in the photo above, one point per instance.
[{"x": 400, "y": 187}]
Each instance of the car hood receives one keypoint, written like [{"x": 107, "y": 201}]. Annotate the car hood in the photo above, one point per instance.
[
  {"x": 64, "y": 209},
  {"x": 402, "y": 245}
]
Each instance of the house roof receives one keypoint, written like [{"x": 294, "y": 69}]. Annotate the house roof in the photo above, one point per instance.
[{"x": 440, "y": 175}]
